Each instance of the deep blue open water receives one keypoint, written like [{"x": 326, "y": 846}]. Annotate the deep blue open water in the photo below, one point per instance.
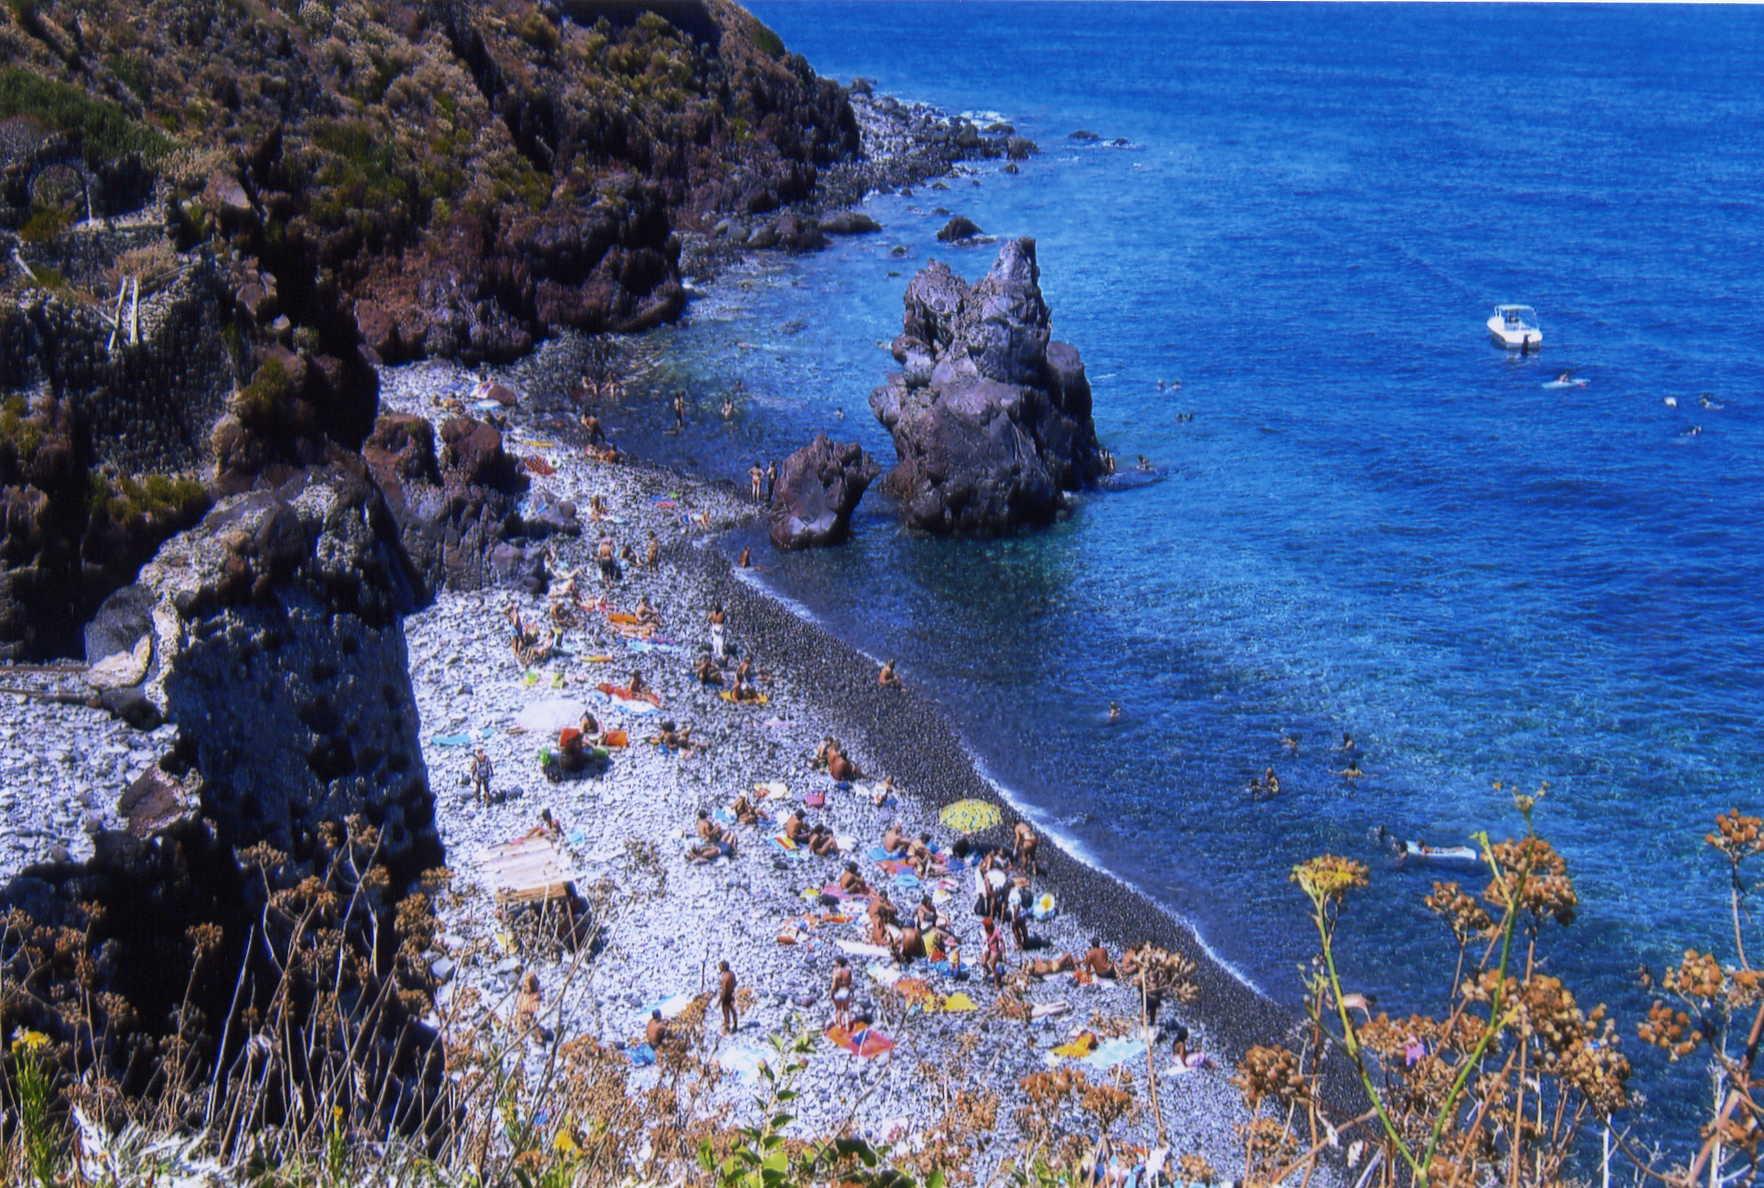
[{"x": 1375, "y": 521}]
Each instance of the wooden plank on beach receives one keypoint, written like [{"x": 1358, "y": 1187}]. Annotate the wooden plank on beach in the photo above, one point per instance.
[{"x": 530, "y": 869}]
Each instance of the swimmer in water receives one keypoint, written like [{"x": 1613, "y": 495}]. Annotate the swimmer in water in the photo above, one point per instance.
[
  {"x": 1693, "y": 431},
  {"x": 1710, "y": 403},
  {"x": 1352, "y": 770},
  {"x": 1567, "y": 377},
  {"x": 1114, "y": 712},
  {"x": 728, "y": 409},
  {"x": 1291, "y": 742},
  {"x": 1144, "y": 463},
  {"x": 1347, "y": 742},
  {"x": 1671, "y": 402}
]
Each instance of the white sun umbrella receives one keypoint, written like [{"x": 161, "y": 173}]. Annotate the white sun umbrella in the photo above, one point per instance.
[{"x": 552, "y": 714}]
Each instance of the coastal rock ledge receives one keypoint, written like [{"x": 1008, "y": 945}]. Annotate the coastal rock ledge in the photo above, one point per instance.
[
  {"x": 991, "y": 421},
  {"x": 818, "y": 488}
]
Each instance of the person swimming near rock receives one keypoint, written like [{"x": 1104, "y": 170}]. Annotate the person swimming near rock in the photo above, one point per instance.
[
  {"x": 1108, "y": 462},
  {"x": 1114, "y": 712},
  {"x": 728, "y": 409},
  {"x": 888, "y": 678},
  {"x": 1143, "y": 464},
  {"x": 745, "y": 561}
]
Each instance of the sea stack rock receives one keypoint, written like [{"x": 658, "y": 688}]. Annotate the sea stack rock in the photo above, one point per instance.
[
  {"x": 991, "y": 421},
  {"x": 818, "y": 489}
]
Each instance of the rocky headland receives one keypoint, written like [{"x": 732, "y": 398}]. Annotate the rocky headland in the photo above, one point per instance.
[{"x": 991, "y": 419}]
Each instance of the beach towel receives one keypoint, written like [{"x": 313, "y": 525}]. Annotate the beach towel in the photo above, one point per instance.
[
  {"x": 616, "y": 739},
  {"x": 1050, "y": 1010},
  {"x": 722, "y": 816},
  {"x": 878, "y": 854},
  {"x": 623, "y": 693},
  {"x": 751, "y": 699},
  {"x": 642, "y": 1055},
  {"x": 743, "y": 1060},
  {"x": 452, "y": 740},
  {"x": 1111, "y": 1053},
  {"x": 845, "y": 843},
  {"x": 1077, "y": 1048},
  {"x": 815, "y": 800},
  {"x": 959, "y": 1004},
  {"x": 859, "y": 949},
  {"x": 833, "y": 890},
  {"x": 865, "y": 1041},
  {"x": 601, "y": 658},
  {"x": 771, "y": 788},
  {"x": 906, "y": 880},
  {"x": 670, "y": 1007},
  {"x": 918, "y": 991},
  {"x": 884, "y": 975}
]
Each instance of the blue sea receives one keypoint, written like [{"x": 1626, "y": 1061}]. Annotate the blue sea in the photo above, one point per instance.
[{"x": 1374, "y": 521}]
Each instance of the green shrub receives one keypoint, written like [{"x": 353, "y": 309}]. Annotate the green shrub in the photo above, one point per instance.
[
  {"x": 45, "y": 224},
  {"x": 104, "y": 130},
  {"x": 17, "y": 430},
  {"x": 768, "y": 42},
  {"x": 259, "y": 402}
]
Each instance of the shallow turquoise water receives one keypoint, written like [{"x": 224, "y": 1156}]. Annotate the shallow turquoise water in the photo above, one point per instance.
[{"x": 1375, "y": 522}]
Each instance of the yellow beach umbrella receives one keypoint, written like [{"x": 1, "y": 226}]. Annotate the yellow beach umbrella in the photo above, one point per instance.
[{"x": 970, "y": 816}]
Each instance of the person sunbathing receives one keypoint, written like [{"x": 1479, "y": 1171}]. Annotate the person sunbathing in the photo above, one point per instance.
[
  {"x": 674, "y": 738},
  {"x": 894, "y": 839},
  {"x": 882, "y": 795},
  {"x": 795, "y": 828},
  {"x": 910, "y": 944},
  {"x": 655, "y": 1032},
  {"x": 1097, "y": 960},
  {"x": 882, "y": 916},
  {"x": 744, "y": 811},
  {"x": 713, "y": 840},
  {"x": 647, "y": 615},
  {"x": 888, "y": 678},
  {"x": 638, "y": 686},
  {"x": 843, "y": 770},
  {"x": 827, "y": 747},
  {"x": 920, "y": 857},
  {"x": 707, "y": 671},
  {"x": 925, "y": 915},
  {"x": 1047, "y": 967},
  {"x": 822, "y": 842},
  {"x": 851, "y": 882}
]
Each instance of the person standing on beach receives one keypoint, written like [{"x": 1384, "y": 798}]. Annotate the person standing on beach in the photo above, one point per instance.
[
  {"x": 726, "y": 998},
  {"x": 716, "y": 633},
  {"x": 1027, "y": 844},
  {"x": 755, "y": 477},
  {"x": 606, "y": 556},
  {"x": 652, "y": 552},
  {"x": 1019, "y": 903},
  {"x": 680, "y": 411},
  {"x": 771, "y": 479},
  {"x": 481, "y": 772},
  {"x": 992, "y": 951},
  {"x": 888, "y": 678},
  {"x": 841, "y": 992}
]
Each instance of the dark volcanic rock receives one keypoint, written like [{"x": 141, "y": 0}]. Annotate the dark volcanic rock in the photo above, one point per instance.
[
  {"x": 991, "y": 421},
  {"x": 818, "y": 489},
  {"x": 458, "y": 515},
  {"x": 849, "y": 222},
  {"x": 1020, "y": 148},
  {"x": 957, "y": 229},
  {"x": 271, "y": 637}
]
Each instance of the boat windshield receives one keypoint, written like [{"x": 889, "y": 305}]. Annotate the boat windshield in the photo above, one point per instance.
[{"x": 1517, "y": 315}]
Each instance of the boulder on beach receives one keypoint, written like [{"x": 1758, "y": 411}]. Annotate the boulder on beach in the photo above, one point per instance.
[
  {"x": 991, "y": 421},
  {"x": 958, "y": 228},
  {"x": 458, "y": 509},
  {"x": 818, "y": 489},
  {"x": 849, "y": 222}
]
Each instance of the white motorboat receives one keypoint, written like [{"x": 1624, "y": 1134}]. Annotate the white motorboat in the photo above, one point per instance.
[{"x": 1515, "y": 327}]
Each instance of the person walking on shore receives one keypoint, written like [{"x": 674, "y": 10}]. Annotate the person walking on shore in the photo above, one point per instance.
[
  {"x": 652, "y": 552},
  {"x": 1027, "y": 844},
  {"x": 726, "y": 998},
  {"x": 841, "y": 992},
  {"x": 481, "y": 772},
  {"x": 680, "y": 411},
  {"x": 1017, "y": 910}
]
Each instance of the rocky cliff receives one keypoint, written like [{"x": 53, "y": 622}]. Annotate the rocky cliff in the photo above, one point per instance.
[
  {"x": 290, "y": 817},
  {"x": 215, "y": 217},
  {"x": 991, "y": 420}
]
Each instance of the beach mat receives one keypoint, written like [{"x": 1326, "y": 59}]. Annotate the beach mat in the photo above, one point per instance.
[
  {"x": 867, "y": 1042},
  {"x": 451, "y": 740},
  {"x": 759, "y": 699}
]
